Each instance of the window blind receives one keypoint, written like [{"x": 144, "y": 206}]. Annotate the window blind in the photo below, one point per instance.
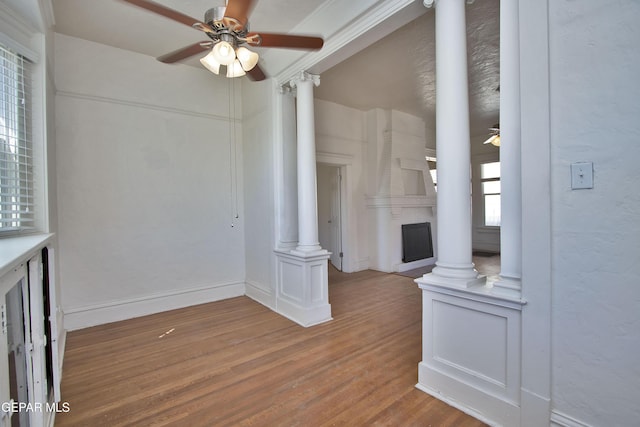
[{"x": 16, "y": 160}]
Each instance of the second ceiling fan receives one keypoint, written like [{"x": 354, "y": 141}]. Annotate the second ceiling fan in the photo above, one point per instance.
[{"x": 228, "y": 30}]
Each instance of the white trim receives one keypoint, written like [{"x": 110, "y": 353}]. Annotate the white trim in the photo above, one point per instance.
[
  {"x": 84, "y": 317},
  {"x": 18, "y": 250},
  {"x": 534, "y": 409},
  {"x": 558, "y": 419},
  {"x": 144, "y": 105},
  {"x": 344, "y": 162},
  {"x": 333, "y": 159},
  {"x": 406, "y": 266},
  {"x": 260, "y": 294},
  {"x": 16, "y": 33},
  {"x": 46, "y": 11},
  {"x": 487, "y": 407},
  {"x": 399, "y": 201},
  {"x": 365, "y": 19},
  {"x": 362, "y": 264},
  {"x": 536, "y": 371},
  {"x": 339, "y": 138},
  {"x": 456, "y": 404}
]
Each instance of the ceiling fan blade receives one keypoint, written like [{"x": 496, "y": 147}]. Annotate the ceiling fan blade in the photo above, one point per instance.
[
  {"x": 285, "y": 41},
  {"x": 236, "y": 14},
  {"x": 256, "y": 74},
  {"x": 185, "y": 52},
  {"x": 171, "y": 14}
]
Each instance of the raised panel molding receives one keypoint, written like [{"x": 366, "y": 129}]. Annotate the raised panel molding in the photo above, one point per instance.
[
  {"x": 558, "y": 419},
  {"x": 482, "y": 355},
  {"x": 471, "y": 353},
  {"x": 301, "y": 287}
]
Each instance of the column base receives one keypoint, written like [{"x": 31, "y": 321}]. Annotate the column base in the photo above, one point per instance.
[
  {"x": 454, "y": 276},
  {"x": 508, "y": 286},
  {"x": 302, "y": 293},
  {"x": 309, "y": 252}
]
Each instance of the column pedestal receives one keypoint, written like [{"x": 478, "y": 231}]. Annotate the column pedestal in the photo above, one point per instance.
[
  {"x": 303, "y": 284},
  {"x": 471, "y": 351}
]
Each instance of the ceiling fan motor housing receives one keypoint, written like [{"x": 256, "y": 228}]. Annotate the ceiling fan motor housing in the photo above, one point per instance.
[{"x": 214, "y": 17}]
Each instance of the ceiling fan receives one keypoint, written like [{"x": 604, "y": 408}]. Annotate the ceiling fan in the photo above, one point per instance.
[
  {"x": 494, "y": 138},
  {"x": 228, "y": 30}
]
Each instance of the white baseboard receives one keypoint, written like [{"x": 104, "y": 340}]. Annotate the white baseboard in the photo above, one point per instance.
[
  {"x": 362, "y": 264},
  {"x": 62, "y": 344},
  {"x": 84, "y": 317},
  {"x": 488, "y": 408},
  {"x": 459, "y": 406},
  {"x": 304, "y": 316},
  {"x": 261, "y": 295},
  {"x": 535, "y": 409},
  {"x": 558, "y": 419},
  {"x": 406, "y": 266}
]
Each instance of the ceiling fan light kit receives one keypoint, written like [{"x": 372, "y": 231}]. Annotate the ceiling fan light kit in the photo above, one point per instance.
[
  {"x": 247, "y": 58},
  {"x": 210, "y": 63},
  {"x": 228, "y": 29},
  {"x": 224, "y": 53},
  {"x": 494, "y": 139},
  {"x": 235, "y": 70}
]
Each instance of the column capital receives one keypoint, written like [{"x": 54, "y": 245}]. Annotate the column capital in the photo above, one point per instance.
[
  {"x": 285, "y": 89},
  {"x": 303, "y": 76}
]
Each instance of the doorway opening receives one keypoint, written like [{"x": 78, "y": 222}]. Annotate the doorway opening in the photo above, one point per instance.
[{"x": 331, "y": 212}]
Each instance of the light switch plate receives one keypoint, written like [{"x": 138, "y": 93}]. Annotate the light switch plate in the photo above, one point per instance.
[{"x": 581, "y": 175}]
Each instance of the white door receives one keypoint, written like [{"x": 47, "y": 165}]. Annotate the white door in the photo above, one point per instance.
[{"x": 335, "y": 221}]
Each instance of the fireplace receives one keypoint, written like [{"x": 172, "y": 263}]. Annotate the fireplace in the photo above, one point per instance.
[{"x": 416, "y": 241}]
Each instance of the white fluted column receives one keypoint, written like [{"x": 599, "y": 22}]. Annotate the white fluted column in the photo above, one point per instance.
[
  {"x": 511, "y": 190},
  {"x": 288, "y": 213},
  {"x": 455, "y": 265},
  {"x": 302, "y": 292},
  {"x": 307, "y": 187}
]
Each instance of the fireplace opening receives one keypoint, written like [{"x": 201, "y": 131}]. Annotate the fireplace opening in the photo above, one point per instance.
[{"x": 416, "y": 241}]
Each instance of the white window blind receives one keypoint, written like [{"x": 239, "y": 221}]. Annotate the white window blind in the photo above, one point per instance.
[{"x": 16, "y": 163}]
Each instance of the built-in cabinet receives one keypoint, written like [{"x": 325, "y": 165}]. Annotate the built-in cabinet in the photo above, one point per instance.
[{"x": 29, "y": 341}]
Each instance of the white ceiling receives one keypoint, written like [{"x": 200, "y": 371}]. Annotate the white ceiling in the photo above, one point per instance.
[{"x": 396, "y": 72}]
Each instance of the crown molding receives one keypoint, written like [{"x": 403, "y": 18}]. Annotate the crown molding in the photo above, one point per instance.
[
  {"x": 355, "y": 20},
  {"x": 46, "y": 13},
  {"x": 16, "y": 32}
]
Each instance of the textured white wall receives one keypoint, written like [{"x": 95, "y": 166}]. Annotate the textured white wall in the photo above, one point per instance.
[
  {"x": 595, "y": 64},
  {"x": 340, "y": 131},
  {"x": 259, "y": 192},
  {"x": 144, "y": 190}
]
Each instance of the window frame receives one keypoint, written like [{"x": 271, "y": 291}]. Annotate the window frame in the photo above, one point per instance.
[
  {"x": 17, "y": 179},
  {"x": 32, "y": 46},
  {"x": 484, "y": 194}
]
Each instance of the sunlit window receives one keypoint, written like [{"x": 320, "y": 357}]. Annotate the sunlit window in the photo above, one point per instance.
[
  {"x": 490, "y": 179},
  {"x": 431, "y": 161},
  {"x": 16, "y": 174}
]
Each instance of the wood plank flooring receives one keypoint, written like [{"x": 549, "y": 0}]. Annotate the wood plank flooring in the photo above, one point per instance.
[{"x": 236, "y": 363}]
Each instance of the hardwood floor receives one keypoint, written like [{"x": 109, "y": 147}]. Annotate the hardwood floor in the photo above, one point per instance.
[{"x": 235, "y": 362}]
